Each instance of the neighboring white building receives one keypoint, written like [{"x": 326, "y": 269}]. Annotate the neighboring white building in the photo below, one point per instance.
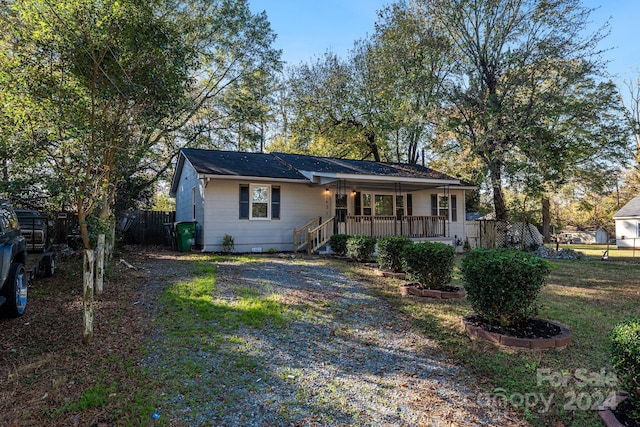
[
  {"x": 628, "y": 225},
  {"x": 261, "y": 199}
]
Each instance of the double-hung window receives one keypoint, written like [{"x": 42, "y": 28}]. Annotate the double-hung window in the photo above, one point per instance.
[
  {"x": 367, "y": 204},
  {"x": 259, "y": 202},
  {"x": 445, "y": 205}
]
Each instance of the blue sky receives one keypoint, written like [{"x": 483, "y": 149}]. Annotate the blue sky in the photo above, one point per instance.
[{"x": 308, "y": 28}]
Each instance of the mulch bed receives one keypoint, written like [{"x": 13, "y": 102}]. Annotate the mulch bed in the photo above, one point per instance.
[
  {"x": 45, "y": 367},
  {"x": 531, "y": 328},
  {"x": 623, "y": 413}
]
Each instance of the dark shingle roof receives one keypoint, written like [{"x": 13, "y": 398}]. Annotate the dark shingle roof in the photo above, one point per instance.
[
  {"x": 288, "y": 166},
  {"x": 359, "y": 167},
  {"x": 233, "y": 163},
  {"x": 630, "y": 210}
]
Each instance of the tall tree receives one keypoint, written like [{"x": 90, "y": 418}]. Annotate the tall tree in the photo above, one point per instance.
[
  {"x": 413, "y": 60},
  {"x": 524, "y": 83},
  {"x": 111, "y": 89},
  {"x": 332, "y": 109},
  {"x": 631, "y": 110}
]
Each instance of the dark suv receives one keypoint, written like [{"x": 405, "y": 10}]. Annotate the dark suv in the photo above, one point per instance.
[
  {"x": 34, "y": 229},
  {"x": 13, "y": 256}
]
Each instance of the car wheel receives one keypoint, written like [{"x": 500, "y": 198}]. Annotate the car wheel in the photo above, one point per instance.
[
  {"x": 15, "y": 291},
  {"x": 49, "y": 265}
]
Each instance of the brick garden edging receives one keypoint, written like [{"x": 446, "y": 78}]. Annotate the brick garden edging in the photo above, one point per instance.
[
  {"x": 561, "y": 340},
  {"x": 606, "y": 414},
  {"x": 407, "y": 290}
]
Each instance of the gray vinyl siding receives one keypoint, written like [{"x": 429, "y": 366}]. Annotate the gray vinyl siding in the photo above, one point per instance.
[{"x": 299, "y": 204}]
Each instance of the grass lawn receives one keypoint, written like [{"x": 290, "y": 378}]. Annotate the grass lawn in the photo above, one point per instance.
[
  {"x": 596, "y": 251},
  {"x": 590, "y": 296}
]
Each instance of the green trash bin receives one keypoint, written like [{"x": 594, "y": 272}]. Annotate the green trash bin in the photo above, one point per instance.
[{"x": 185, "y": 235}]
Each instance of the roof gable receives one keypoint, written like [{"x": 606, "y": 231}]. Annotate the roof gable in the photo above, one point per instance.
[{"x": 630, "y": 210}]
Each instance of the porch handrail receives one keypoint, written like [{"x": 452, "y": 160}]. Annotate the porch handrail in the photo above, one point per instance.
[
  {"x": 320, "y": 235},
  {"x": 300, "y": 235},
  {"x": 388, "y": 225}
]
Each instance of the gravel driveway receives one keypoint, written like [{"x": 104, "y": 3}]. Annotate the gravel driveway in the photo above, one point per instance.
[{"x": 345, "y": 358}]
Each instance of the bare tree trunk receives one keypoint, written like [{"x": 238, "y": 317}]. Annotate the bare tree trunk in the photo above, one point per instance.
[
  {"x": 82, "y": 223},
  {"x": 546, "y": 219},
  {"x": 100, "y": 264},
  {"x": 499, "y": 203},
  {"x": 87, "y": 296}
]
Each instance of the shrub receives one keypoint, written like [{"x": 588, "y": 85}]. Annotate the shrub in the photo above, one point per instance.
[
  {"x": 361, "y": 248},
  {"x": 503, "y": 284},
  {"x": 338, "y": 243},
  {"x": 390, "y": 252},
  {"x": 625, "y": 351},
  {"x": 429, "y": 263},
  {"x": 228, "y": 243}
]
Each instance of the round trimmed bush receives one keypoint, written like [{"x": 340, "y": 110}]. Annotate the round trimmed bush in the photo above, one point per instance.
[
  {"x": 361, "y": 248},
  {"x": 625, "y": 352},
  {"x": 429, "y": 263},
  {"x": 338, "y": 243},
  {"x": 503, "y": 284},
  {"x": 390, "y": 252}
]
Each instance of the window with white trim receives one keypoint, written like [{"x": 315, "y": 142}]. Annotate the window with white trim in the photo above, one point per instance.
[
  {"x": 445, "y": 205},
  {"x": 259, "y": 202},
  {"x": 367, "y": 204}
]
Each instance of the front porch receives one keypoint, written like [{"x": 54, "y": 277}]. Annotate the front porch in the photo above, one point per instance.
[{"x": 316, "y": 233}]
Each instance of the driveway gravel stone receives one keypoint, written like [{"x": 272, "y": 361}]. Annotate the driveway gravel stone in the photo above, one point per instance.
[{"x": 346, "y": 358}]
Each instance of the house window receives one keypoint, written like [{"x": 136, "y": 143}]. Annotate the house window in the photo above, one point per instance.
[
  {"x": 258, "y": 201},
  {"x": 193, "y": 202},
  {"x": 399, "y": 207},
  {"x": 366, "y": 204},
  {"x": 442, "y": 205},
  {"x": 384, "y": 205}
]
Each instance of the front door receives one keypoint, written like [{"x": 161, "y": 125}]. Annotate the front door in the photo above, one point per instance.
[{"x": 341, "y": 213}]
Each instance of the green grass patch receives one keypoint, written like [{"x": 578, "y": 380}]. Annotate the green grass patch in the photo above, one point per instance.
[
  {"x": 596, "y": 252},
  {"x": 590, "y": 296},
  {"x": 201, "y": 318},
  {"x": 96, "y": 396}
]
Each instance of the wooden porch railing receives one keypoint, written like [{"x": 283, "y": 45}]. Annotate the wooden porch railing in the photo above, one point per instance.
[
  {"x": 409, "y": 226},
  {"x": 314, "y": 234},
  {"x": 320, "y": 235},
  {"x": 301, "y": 235}
]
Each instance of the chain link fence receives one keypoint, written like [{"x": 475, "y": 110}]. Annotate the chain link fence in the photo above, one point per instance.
[{"x": 502, "y": 234}]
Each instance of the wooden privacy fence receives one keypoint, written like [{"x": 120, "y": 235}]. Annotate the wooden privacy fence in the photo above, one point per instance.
[
  {"x": 145, "y": 227},
  {"x": 137, "y": 227}
]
